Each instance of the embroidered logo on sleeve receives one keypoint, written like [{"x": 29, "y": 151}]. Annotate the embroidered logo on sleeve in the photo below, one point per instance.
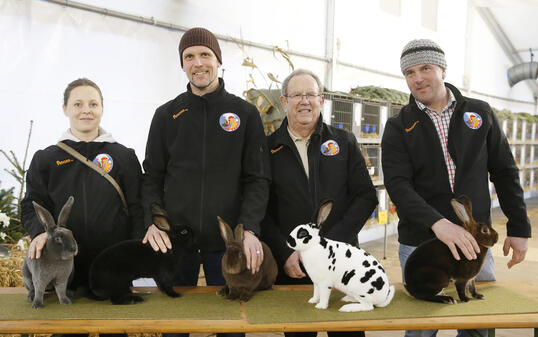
[
  {"x": 229, "y": 121},
  {"x": 273, "y": 151},
  {"x": 174, "y": 116},
  {"x": 63, "y": 162},
  {"x": 104, "y": 161},
  {"x": 330, "y": 148},
  {"x": 409, "y": 129},
  {"x": 472, "y": 120}
]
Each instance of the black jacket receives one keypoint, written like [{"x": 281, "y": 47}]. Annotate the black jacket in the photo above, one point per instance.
[
  {"x": 294, "y": 198},
  {"x": 416, "y": 176},
  {"x": 197, "y": 170},
  {"x": 97, "y": 218}
]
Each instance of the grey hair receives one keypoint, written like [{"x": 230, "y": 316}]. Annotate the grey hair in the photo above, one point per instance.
[{"x": 297, "y": 73}]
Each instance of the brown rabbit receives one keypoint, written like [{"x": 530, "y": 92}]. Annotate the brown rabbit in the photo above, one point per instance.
[
  {"x": 431, "y": 266},
  {"x": 240, "y": 282}
]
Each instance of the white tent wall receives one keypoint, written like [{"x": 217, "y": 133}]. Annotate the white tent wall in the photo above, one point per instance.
[
  {"x": 488, "y": 71},
  {"x": 44, "y": 46}
]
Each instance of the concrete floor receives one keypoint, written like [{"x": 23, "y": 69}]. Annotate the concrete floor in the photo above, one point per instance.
[{"x": 526, "y": 270}]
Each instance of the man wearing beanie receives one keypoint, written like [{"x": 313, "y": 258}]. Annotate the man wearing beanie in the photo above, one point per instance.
[
  {"x": 442, "y": 145},
  {"x": 206, "y": 156}
]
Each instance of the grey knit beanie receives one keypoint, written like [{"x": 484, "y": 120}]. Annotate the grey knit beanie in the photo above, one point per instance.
[{"x": 422, "y": 51}]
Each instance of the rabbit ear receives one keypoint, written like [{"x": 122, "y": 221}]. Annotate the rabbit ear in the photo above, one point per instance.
[
  {"x": 66, "y": 210},
  {"x": 225, "y": 230},
  {"x": 461, "y": 211},
  {"x": 239, "y": 233},
  {"x": 44, "y": 217},
  {"x": 323, "y": 212}
]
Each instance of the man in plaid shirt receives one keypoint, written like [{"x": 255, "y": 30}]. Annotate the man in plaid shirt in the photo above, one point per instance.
[{"x": 442, "y": 145}]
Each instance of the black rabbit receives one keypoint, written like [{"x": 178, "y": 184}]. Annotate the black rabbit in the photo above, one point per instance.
[
  {"x": 114, "y": 269},
  {"x": 431, "y": 266}
]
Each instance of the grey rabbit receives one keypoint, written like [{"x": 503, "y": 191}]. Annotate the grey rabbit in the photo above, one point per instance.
[
  {"x": 240, "y": 282},
  {"x": 431, "y": 266},
  {"x": 55, "y": 266}
]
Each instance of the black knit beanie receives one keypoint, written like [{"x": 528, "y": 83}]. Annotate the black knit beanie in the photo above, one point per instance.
[{"x": 199, "y": 37}]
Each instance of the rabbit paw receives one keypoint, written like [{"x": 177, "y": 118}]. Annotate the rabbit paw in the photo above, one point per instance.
[
  {"x": 354, "y": 307},
  {"x": 65, "y": 300},
  {"x": 313, "y": 300},
  {"x": 223, "y": 292},
  {"x": 37, "y": 304},
  {"x": 322, "y": 306},
  {"x": 478, "y": 296},
  {"x": 244, "y": 297},
  {"x": 126, "y": 299},
  {"x": 348, "y": 298}
]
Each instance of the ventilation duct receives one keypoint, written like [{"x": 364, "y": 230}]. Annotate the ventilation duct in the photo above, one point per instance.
[{"x": 522, "y": 71}]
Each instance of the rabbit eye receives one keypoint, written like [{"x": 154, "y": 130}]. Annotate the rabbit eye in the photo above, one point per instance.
[
  {"x": 184, "y": 232},
  {"x": 485, "y": 230},
  {"x": 58, "y": 240}
]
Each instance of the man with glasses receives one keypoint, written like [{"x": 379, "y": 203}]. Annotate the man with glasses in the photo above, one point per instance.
[{"x": 312, "y": 162}]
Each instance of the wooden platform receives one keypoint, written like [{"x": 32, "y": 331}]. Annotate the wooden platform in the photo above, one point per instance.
[{"x": 526, "y": 320}]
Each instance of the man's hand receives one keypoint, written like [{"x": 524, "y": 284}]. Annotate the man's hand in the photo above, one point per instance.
[
  {"x": 253, "y": 250},
  {"x": 454, "y": 236},
  {"x": 519, "y": 245},
  {"x": 292, "y": 267},
  {"x": 37, "y": 244},
  {"x": 158, "y": 239}
]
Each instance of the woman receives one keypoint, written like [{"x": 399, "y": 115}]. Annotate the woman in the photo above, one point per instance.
[{"x": 98, "y": 218}]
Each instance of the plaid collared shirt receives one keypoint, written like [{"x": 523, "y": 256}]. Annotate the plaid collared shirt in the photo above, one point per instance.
[{"x": 442, "y": 122}]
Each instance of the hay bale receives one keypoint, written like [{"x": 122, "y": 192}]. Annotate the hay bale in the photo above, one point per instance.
[{"x": 10, "y": 268}]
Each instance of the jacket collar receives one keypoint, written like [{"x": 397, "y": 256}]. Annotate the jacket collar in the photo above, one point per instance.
[
  {"x": 102, "y": 137},
  {"x": 282, "y": 136},
  {"x": 212, "y": 95},
  {"x": 460, "y": 99}
]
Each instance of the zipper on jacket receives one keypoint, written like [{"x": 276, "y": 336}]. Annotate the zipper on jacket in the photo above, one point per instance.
[
  {"x": 315, "y": 166},
  {"x": 202, "y": 180},
  {"x": 85, "y": 197}
]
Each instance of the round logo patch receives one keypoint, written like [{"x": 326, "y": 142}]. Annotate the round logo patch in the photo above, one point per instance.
[
  {"x": 472, "y": 120},
  {"x": 104, "y": 161},
  {"x": 229, "y": 121},
  {"x": 330, "y": 148}
]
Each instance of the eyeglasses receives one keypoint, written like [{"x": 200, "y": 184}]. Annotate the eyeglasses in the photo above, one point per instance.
[{"x": 299, "y": 97}]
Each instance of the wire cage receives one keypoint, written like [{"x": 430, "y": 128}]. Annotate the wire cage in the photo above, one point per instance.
[
  {"x": 528, "y": 151},
  {"x": 520, "y": 125},
  {"x": 372, "y": 157},
  {"x": 341, "y": 111},
  {"x": 526, "y": 180},
  {"x": 534, "y": 179},
  {"x": 394, "y": 109},
  {"x": 508, "y": 128},
  {"x": 518, "y": 151},
  {"x": 370, "y": 126}
]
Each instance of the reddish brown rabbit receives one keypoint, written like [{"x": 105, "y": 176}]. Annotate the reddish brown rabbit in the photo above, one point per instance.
[
  {"x": 431, "y": 266},
  {"x": 240, "y": 282}
]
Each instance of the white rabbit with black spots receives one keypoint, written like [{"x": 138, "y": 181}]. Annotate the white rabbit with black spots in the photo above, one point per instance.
[{"x": 333, "y": 264}]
